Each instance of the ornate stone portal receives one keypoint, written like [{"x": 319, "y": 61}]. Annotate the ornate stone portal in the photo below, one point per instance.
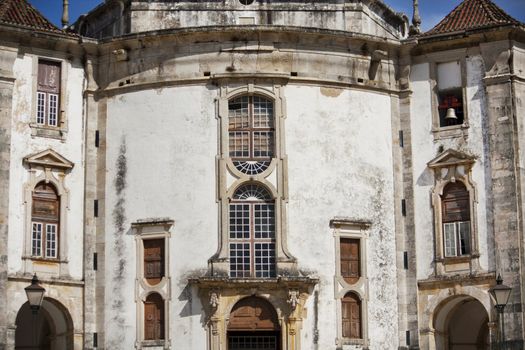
[{"x": 287, "y": 295}]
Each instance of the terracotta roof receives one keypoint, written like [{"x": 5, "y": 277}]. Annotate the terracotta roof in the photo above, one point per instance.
[
  {"x": 21, "y": 13},
  {"x": 473, "y": 14}
]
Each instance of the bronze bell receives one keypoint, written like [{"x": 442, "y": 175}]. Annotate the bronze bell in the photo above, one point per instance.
[{"x": 451, "y": 115}]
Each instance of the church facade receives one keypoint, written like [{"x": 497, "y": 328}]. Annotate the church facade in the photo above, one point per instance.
[{"x": 240, "y": 174}]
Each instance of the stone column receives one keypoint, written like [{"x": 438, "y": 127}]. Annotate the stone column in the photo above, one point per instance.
[{"x": 7, "y": 79}]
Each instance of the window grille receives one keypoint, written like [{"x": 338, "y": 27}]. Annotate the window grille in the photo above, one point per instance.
[
  {"x": 251, "y": 133},
  {"x": 252, "y": 233}
]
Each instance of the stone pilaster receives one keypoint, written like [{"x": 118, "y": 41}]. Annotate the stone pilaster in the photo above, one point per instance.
[
  {"x": 7, "y": 58},
  {"x": 93, "y": 306},
  {"x": 405, "y": 225},
  {"x": 504, "y": 191}
]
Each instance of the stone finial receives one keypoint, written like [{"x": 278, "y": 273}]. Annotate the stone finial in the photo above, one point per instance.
[
  {"x": 415, "y": 28},
  {"x": 65, "y": 13}
]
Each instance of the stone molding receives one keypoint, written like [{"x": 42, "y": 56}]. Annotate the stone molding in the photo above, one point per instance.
[
  {"x": 50, "y": 167},
  {"x": 451, "y": 166},
  {"x": 356, "y": 229},
  {"x": 152, "y": 228}
]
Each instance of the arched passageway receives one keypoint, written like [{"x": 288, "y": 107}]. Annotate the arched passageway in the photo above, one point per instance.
[
  {"x": 461, "y": 323},
  {"x": 253, "y": 325},
  {"x": 50, "y": 329}
]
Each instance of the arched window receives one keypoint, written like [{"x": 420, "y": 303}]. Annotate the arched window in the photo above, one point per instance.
[
  {"x": 351, "y": 316},
  {"x": 45, "y": 217},
  {"x": 456, "y": 219},
  {"x": 252, "y": 232},
  {"x": 154, "y": 317},
  {"x": 251, "y": 133}
]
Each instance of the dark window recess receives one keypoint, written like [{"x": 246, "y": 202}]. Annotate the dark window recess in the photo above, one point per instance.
[
  {"x": 401, "y": 141},
  {"x": 97, "y": 138},
  {"x": 450, "y": 99},
  {"x": 403, "y": 207},
  {"x": 408, "y": 338},
  {"x": 154, "y": 317},
  {"x": 95, "y": 261},
  {"x": 351, "y": 316},
  {"x": 405, "y": 260},
  {"x": 153, "y": 260},
  {"x": 95, "y": 208},
  {"x": 95, "y": 340},
  {"x": 350, "y": 260}
]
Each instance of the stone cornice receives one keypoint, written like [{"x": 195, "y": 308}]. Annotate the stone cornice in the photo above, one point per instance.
[
  {"x": 450, "y": 281},
  {"x": 301, "y": 283}
]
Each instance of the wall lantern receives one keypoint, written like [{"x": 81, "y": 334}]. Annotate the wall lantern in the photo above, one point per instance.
[
  {"x": 35, "y": 294},
  {"x": 500, "y": 293}
]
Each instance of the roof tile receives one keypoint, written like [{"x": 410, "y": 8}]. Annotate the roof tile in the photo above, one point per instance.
[
  {"x": 21, "y": 13},
  {"x": 473, "y": 14}
]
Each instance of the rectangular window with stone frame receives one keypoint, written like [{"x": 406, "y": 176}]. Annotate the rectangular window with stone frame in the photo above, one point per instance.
[
  {"x": 456, "y": 220},
  {"x": 450, "y": 93},
  {"x": 48, "y": 93},
  {"x": 153, "y": 260},
  {"x": 350, "y": 259}
]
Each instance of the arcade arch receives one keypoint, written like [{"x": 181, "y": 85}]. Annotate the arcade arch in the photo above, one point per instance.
[
  {"x": 461, "y": 323},
  {"x": 50, "y": 329}
]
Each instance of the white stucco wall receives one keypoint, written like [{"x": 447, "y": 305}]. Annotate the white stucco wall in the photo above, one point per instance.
[
  {"x": 23, "y": 144},
  {"x": 339, "y": 151},
  {"x": 171, "y": 143},
  {"x": 424, "y": 149}
]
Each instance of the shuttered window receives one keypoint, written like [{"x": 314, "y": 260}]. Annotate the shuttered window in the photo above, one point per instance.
[
  {"x": 154, "y": 317},
  {"x": 48, "y": 93},
  {"x": 456, "y": 219},
  {"x": 350, "y": 260},
  {"x": 45, "y": 217},
  {"x": 154, "y": 260},
  {"x": 351, "y": 316}
]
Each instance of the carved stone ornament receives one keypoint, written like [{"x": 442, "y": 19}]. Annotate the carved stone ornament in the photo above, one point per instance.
[
  {"x": 48, "y": 159},
  {"x": 293, "y": 299},
  {"x": 451, "y": 165},
  {"x": 214, "y": 299}
]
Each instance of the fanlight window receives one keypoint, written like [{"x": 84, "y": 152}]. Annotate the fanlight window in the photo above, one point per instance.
[
  {"x": 45, "y": 217},
  {"x": 251, "y": 133},
  {"x": 252, "y": 232},
  {"x": 456, "y": 219}
]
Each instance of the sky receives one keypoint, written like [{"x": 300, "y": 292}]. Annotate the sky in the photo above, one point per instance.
[{"x": 432, "y": 11}]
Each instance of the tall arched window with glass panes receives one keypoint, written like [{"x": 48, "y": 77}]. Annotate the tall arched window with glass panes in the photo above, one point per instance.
[
  {"x": 251, "y": 133},
  {"x": 252, "y": 232}
]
